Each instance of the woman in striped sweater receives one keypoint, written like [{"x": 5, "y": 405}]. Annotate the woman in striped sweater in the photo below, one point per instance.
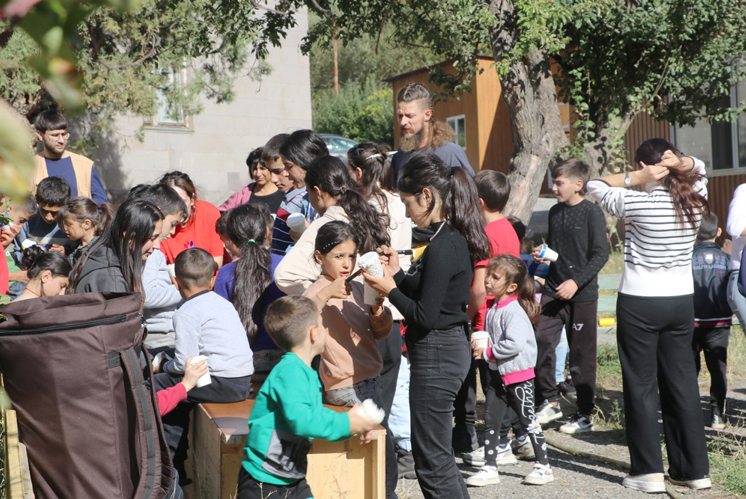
[{"x": 655, "y": 312}]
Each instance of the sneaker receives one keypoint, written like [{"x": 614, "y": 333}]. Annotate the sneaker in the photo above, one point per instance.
[
  {"x": 548, "y": 413},
  {"x": 697, "y": 484},
  {"x": 405, "y": 464},
  {"x": 474, "y": 458},
  {"x": 566, "y": 387},
  {"x": 652, "y": 482},
  {"x": 578, "y": 424},
  {"x": 505, "y": 455},
  {"x": 523, "y": 449},
  {"x": 718, "y": 422},
  {"x": 487, "y": 475},
  {"x": 541, "y": 474}
]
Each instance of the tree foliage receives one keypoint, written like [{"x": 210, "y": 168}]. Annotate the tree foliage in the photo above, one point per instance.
[{"x": 360, "y": 112}]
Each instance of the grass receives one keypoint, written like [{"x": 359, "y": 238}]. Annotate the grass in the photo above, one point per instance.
[
  {"x": 615, "y": 265},
  {"x": 736, "y": 353},
  {"x": 608, "y": 370},
  {"x": 728, "y": 465}
]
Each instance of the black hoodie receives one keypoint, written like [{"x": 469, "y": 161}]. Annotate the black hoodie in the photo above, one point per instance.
[{"x": 101, "y": 272}]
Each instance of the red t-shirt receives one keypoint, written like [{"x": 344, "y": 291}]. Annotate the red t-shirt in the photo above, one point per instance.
[
  {"x": 4, "y": 276},
  {"x": 198, "y": 233},
  {"x": 503, "y": 239}
]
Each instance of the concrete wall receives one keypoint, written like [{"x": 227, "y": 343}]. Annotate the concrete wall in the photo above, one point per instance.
[{"x": 214, "y": 147}]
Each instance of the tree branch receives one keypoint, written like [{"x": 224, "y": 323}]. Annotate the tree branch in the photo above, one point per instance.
[
  {"x": 326, "y": 13},
  {"x": 130, "y": 64},
  {"x": 383, "y": 23},
  {"x": 264, "y": 7}
]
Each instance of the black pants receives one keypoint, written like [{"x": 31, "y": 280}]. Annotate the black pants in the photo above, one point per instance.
[
  {"x": 249, "y": 488},
  {"x": 439, "y": 363},
  {"x": 519, "y": 396},
  {"x": 654, "y": 337},
  {"x": 579, "y": 319},
  {"x": 390, "y": 350},
  {"x": 464, "y": 410},
  {"x": 714, "y": 342},
  {"x": 176, "y": 422}
]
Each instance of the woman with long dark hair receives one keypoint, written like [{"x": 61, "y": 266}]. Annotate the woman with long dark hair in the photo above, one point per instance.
[
  {"x": 433, "y": 295},
  {"x": 116, "y": 259},
  {"x": 655, "y": 315},
  {"x": 247, "y": 282},
  {"x": 198, "y": 230},
  {"x": 332, "y": 194}
]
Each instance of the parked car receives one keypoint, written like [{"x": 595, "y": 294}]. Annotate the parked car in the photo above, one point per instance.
[{"x": 338, "y": 145}]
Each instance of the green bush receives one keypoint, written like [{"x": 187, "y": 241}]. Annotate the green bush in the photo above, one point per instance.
[{"x": 361, "y": 112}]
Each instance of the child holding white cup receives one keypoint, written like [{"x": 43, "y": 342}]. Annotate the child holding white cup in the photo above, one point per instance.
[{"x": 511, "y": 356}]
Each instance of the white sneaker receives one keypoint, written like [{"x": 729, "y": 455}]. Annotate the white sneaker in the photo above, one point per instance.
[
  {"x": 487, "y": 475},
  {"x": 548, "y": 413},
  {"x": 578, "y": 424},
  {"x": 651, "y": 483},
  {"x": 474, "y": 458},
  {"x": 505, "y": 455},
  {"x": 697, "y": 484},
  {"x": 540, "y": 475},
  {"x": 523, "y": 449}
]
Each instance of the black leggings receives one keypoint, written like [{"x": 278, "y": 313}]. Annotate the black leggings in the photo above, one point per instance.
[{"x": 519, "y": 396}]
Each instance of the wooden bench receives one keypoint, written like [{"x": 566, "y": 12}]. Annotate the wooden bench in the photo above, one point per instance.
[
  {"x": 335, "y": 469},
  {"x": 17, "y": 473}
]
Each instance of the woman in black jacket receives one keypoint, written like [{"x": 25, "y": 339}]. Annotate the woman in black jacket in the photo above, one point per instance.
[
  {"x": 115, "y": 261},
  {"x": 433, "y": 296}
]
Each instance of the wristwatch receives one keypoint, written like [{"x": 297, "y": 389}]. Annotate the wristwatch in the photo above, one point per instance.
[{"x": 627, "y": 180}]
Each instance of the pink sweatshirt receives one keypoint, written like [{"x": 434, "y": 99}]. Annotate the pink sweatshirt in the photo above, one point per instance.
[{"x": 238, "y": 198}]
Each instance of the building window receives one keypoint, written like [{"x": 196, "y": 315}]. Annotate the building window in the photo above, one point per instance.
[
  {"x": 720, "y": 144},
  {"x": 458, "y": 123},
  {"x": 170, "y": 113}
]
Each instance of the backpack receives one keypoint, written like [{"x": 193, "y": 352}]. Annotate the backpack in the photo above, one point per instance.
[{"x": 71, "y": 366}]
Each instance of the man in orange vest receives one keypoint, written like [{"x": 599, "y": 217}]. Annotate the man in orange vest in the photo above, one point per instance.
[{"x": 77, "y": 170}]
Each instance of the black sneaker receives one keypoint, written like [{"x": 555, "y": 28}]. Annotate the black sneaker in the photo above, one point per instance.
[
  {"x": 566, "y": 387},
  {"x": 405, "y": 463}
]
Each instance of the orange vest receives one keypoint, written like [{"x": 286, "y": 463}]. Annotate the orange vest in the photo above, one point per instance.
[{"x": 82, "y": 167}]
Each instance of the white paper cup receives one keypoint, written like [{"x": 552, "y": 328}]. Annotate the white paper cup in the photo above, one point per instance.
[
  {"x": 172, "y": 270},
  {"x": 370, "y": 295},
  {"x": 370, "y": 411},
  {"x": 296, "y": 222},
  {"x": 371, "y": 263},
  {"x": 205, "y": 379},
  {"x": 482, "y": 338},
  {"x": 548, "y": 253}
]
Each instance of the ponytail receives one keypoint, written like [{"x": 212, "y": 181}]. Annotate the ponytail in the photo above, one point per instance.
[
  {"x": 36, "y": 260},
  {"x": 458, "y": 194},
  {"x": 679, "y": 183},
  {"x": 377, "y": 174},
  {"x": 247, "y": 229},
  {"x": 331, "y": 176}
]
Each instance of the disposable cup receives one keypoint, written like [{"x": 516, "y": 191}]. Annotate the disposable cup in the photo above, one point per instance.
[
  {"x": 205, "y": 379},
  {"x": 172, "y": 270},
  {"x": 370, "y": 295},
  {"x": 548, "y": 254},
  {"x": 370, "y": 411},
  {"x": 297, "y": 222},
  {"x": 482, "y": 338}
]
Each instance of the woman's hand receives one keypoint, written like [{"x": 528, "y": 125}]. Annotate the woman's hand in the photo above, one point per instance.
[
  {"x": 384, "y": 284},
  {"x": 389, "y": 257},
  {"x": 652, "y": 173}
]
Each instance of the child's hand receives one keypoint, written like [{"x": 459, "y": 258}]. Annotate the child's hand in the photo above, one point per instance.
[
  {"x": 57, "y": 248},
  {"x": 535, "y": 254},
  {"x": 193, "y": 372},
  {"x": 477, "y": 352},
  {"x": 366, "y": 437},
  {"x": 339, "y": 288},
  {"x": 359, "y": 424},
  {"x": 566, "y": 290}
]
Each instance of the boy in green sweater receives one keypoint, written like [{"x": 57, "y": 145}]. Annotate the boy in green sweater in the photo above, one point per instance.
[{"x": 288, "y": 412}]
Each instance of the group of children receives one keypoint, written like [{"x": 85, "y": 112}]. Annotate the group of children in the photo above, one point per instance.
[{"x": 241, "y": 323}]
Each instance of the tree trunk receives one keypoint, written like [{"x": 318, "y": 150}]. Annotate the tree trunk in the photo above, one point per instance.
[
  {"x": 530, "y": 94},
  {"x": 600, "y": 149}
]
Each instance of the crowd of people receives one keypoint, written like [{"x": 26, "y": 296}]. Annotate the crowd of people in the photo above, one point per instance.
[{"x": 267, "y": 285}]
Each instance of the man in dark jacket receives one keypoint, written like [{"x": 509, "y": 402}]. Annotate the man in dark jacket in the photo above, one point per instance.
[{"x": 712, "y": 314}]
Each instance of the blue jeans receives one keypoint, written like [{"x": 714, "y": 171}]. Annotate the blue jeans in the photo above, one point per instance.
[
  {"x": 355, "y": 394},
  {"x": 439, "y": 363},
  {"x": 561, "y": 352},
  {"x": 399, "y": 419}
]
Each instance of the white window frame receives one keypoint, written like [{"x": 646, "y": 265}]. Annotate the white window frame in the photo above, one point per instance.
[
  {"x": 453, "y": 123},
  {"x": 153, "y": 123}
]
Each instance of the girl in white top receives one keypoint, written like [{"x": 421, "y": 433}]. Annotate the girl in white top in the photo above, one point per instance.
[
  {"x": 736, "y": 227},
  {"x": 655, "y": 312}
]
